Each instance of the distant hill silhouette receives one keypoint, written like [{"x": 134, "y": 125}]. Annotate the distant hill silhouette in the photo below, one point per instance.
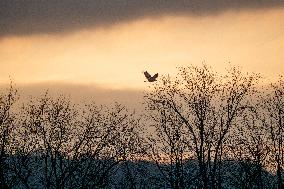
[{"x": 89, "y": 173}]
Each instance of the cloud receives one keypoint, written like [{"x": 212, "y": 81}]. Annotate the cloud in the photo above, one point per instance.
[
  {"x": 25, "y": 17},
  {"x": 79, "y": 94}
]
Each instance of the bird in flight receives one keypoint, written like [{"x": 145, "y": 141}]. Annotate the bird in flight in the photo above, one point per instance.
[{"x": 149, "y": 77}]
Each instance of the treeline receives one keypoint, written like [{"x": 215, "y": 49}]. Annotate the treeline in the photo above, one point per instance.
[{"x": 200, "y": 129}]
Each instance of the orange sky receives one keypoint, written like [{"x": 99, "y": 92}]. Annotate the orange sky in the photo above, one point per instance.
[{"x": 115, "y": 56}]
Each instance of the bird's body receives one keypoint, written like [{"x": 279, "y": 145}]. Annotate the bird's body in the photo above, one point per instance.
[{"x": 150, "y": 78}]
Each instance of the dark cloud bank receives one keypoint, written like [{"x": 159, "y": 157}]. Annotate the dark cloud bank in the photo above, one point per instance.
[{"x": 24, "y": 17}]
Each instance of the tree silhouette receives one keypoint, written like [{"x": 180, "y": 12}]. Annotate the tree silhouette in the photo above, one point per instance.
[
  {"x": 198, "y": 109},
  {"x": 201, "y": 130},
  {"x": 7, "y": 118},
  {"x": 273, "y": 107}
]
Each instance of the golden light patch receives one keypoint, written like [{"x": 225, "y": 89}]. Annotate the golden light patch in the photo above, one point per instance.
[{"x": 116, "y": 56}]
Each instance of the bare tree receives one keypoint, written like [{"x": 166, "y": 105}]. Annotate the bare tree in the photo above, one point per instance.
[
  {"x": 207, "y": 129},
  {"x": 273, "y": 107},
  {"x": 48, "y": 124},
  {"x": 55, "y": 144},
  {"x": 7, "y": 117},
  {"x": 204, "y": 105},
  {"x": 110, "y": 136},
  {"x": 168, "y": 149},
  {"x": 250, "y": 148}
]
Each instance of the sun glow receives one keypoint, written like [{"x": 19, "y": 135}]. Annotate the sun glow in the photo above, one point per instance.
[{"x": 115, "y": 56}]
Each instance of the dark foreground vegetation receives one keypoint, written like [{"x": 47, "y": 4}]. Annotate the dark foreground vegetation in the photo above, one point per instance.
[{"x": 200, "y": 130}]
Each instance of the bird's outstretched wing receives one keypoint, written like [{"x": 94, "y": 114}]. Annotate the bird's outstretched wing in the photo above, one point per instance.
[
  {"x": 155, "y": 76},
  {"x": 147, "y": 75}
]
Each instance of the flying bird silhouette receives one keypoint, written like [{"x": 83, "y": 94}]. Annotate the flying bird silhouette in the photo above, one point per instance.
[{"x": 149, "y": 77}]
